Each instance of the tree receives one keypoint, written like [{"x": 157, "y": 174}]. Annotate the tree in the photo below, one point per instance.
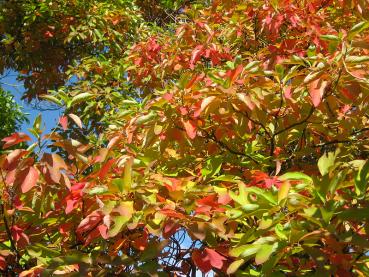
[
  {"x": 229, "y": 137},
  {"x": 11, "y": 114}
]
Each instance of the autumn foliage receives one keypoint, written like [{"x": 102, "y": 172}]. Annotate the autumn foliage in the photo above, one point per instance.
[{"x": 225, "y": 137}]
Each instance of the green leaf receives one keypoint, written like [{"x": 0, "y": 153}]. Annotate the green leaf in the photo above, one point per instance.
[
  {"x": 212, "y": 167},
  {"x": 119, "y": 222},
  {"x": 279, "y": 230},
  {"x": 326, "y": 162},
  {"x": 98, "y": 190},
  {"x": 263, "y": 253},
  {"x": 250, "y": 207},
  {"x": 233, "y": 267},
  {"x": 244, "y": 251},
  {"x": 358, "y": 28},
  {"x": 283, "y": 191},
  {"x": 361, "y": 179},
  {"x": 145, "y": 118},
  {"x": 79, "y": 98},
  {"x": 295, "y": 176},
  {"x": 330, "y": 37},
  {"x": 357, "y": 59},
  {"x": 51, "y": 99}
]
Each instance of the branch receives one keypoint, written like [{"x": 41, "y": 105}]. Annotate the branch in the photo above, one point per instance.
[
  {"x": 229, "y": 149},
  {"x": 297, "y": 123}
]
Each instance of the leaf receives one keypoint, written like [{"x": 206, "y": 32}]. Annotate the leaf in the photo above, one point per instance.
[
  {"x": 89, "y": 222},
  {"x": 51, "y": 99},
  {"x": 13, "y": 158},
  {"x": 204, "y": 104},
  {"x": 244, "y": 251},
  {"x": 263, "y": 253},
  {"x": 357, "y": 28},
  {"x": 127, "y": 179},
  {"x": 79, "y": 98},
  {"x": 330, "y": 37},
  {"x": 98, "y": 190},
  {"x": 233, "y": 267},
  {"x": 279, "y": 231},
  {"x": 207, "y": 259},
  {"x": 190, "y": 128},
  {"x": 357, "y": 59},
  {"x": 63, "y": 120},
  {"x": 316, "y": 91},
  {"x": 362, "y": 179},
  {"x": 325, "y": 162},
  {"x": 245, "y": 98},
  {"x": 295, "y": 176},
  {"x": 14, "y": 139},
  {"x": 119, "y": 222},
  {"x": 283, "y": 191},
  {"x": 145, "y": 118},
  {"x": 76, "y": 120},
  {"x": 30, "y": 179},
  {"x": 105, "y": 168}
]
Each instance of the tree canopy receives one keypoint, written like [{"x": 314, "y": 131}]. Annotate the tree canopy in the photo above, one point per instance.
[
  {"x": 11, "y": 114},
  {"x": 224, "y": 136}
]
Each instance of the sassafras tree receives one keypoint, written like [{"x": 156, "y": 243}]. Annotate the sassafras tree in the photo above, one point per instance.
[{"x": 215, "y": 136}]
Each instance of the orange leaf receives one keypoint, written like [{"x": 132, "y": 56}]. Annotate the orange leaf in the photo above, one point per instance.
[
  {"x": 30, "y": 179},
  {"x": 105, "y": 168},
  {"x": 190, "y": 129},
  {"x": 14, "y": 139},
  {"x": 141, "y": 242},
  {"x": 12, "y": 159},
  {"x": 172, "y": 213},
  {"x": 63, "y": 120},
  {"x": 316, "y": 91},
  {"x": 204, "y": 104}
]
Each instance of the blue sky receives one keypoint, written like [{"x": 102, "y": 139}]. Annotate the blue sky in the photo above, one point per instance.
[{"x": 49, "y": 118}]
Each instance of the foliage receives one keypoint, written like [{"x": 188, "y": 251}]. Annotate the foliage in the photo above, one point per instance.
[
  {"x": 231, "y": 138},
  {"x": 10, "y": 113}
]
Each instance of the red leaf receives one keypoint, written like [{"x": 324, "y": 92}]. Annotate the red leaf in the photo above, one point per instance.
[
  {"x": 14, "y": 139},
  {"x": 288, "y": 92},
  {"x": 216, "y": 260},
  {"x": 190, "y": 129},
  {"x": 89, "y": 222},
  {"x": 103, "y": 229},
  {"x": 19, "y": 236},
  {"x": 3, "y": 263},
  {"x": 170, "y": 228},
  {"x": 316, "y": 91},
  {"x": 105, "y": 168},
  {"x": 345, "y": 92},
  {"x": 200, "y": 262},
  {"x": 196, "y": 54},
  {"x": 30, "y": 179},
  {"x": 208, "y": 259},
  {"x": 71, "y": 205},
  {"x": 48, "y": 34},
  {"x": 63, "y": 120},
  {"x": 233, "y": 74}
]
